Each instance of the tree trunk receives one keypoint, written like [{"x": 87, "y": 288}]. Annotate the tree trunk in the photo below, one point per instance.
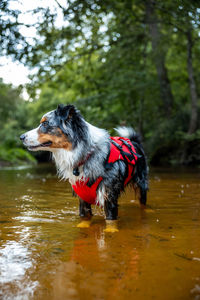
[
  {"x": 159, "y": 58},
  {"x": 192, "y": 85}
]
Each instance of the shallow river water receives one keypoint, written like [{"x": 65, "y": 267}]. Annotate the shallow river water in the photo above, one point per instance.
[{"x": 43, "y": 255}]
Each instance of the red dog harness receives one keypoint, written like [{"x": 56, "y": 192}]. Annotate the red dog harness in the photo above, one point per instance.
[{"x": 120, "y": 149}]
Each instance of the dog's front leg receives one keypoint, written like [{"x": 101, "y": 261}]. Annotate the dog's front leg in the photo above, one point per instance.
[
  {"x": 85, "y": 212},
  {"x": 111, "y": 211}
]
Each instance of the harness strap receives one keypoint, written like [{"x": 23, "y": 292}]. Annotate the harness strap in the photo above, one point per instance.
[
  {"x": 130, "y": 148},
  {"x": 91, "y": 182},
  {"x": 124, "y": 157},
  {"x": 123, "y": 153}
]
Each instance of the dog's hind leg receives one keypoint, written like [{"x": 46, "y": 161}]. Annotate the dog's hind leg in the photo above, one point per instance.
[
  {"x": 143, "y": 197},
  {"x": 85, "y": 212},
  {"x": 143, "y": 200}
]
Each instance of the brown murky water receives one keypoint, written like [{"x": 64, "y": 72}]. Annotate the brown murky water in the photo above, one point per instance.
[{"x": 43, "y": 255}]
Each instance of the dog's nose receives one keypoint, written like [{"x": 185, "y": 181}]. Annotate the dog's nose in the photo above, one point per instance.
[{"x": 22, "y": 137}]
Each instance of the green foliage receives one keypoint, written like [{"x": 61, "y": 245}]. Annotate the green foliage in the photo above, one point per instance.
[
  {"x": 10, "y": 35},
  {"x": 16, "y": 155},
  {"x": 13, "y": 114},
  {"x": 13, "y": 123},
  {"x": 125, "y": 62}
]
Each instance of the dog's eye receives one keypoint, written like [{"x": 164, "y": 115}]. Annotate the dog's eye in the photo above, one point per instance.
[{"x": 45, "y": 123}]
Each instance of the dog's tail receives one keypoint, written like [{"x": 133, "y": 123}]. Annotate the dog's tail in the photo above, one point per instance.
[{"x": 129, "y": 133}]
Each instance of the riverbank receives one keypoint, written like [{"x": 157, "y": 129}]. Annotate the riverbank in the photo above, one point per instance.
[{"x": 15, "y": 156}]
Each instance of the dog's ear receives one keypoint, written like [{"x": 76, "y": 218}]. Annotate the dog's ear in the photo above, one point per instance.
[{"x": 65, "y": 111}]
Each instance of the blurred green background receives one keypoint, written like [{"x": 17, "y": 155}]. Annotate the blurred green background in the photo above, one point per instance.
[{"x": 130, "y": 62}]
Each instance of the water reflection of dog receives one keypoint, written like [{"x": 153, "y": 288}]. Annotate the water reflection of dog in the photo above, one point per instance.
[
  {"x": 99, "y": 267},
  {"x": 97, "y": 166}
]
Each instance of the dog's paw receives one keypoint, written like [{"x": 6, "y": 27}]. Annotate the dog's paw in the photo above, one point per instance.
[
  {"x": 111, "y": 226},
  {"x": 146, "y": 208},
  {"x": 84, "y": 224},
  {"x": 111, "y": 229}
]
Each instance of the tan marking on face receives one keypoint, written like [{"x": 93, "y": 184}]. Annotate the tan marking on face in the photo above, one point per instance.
[
  {"x": 43, "y": 120},
  {"x": 59, "y": 140}
]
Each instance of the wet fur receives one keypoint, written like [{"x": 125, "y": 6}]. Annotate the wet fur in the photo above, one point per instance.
[{"x": 72, "y": 141}]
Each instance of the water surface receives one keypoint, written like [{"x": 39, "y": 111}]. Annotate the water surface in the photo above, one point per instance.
[{"x": 43, "y": 255}]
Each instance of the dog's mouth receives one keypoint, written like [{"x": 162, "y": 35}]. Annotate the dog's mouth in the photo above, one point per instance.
[{"x": 43, "y": 145}]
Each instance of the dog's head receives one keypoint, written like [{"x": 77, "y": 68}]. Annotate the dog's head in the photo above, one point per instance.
[{"x": 60, "y": 128}]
